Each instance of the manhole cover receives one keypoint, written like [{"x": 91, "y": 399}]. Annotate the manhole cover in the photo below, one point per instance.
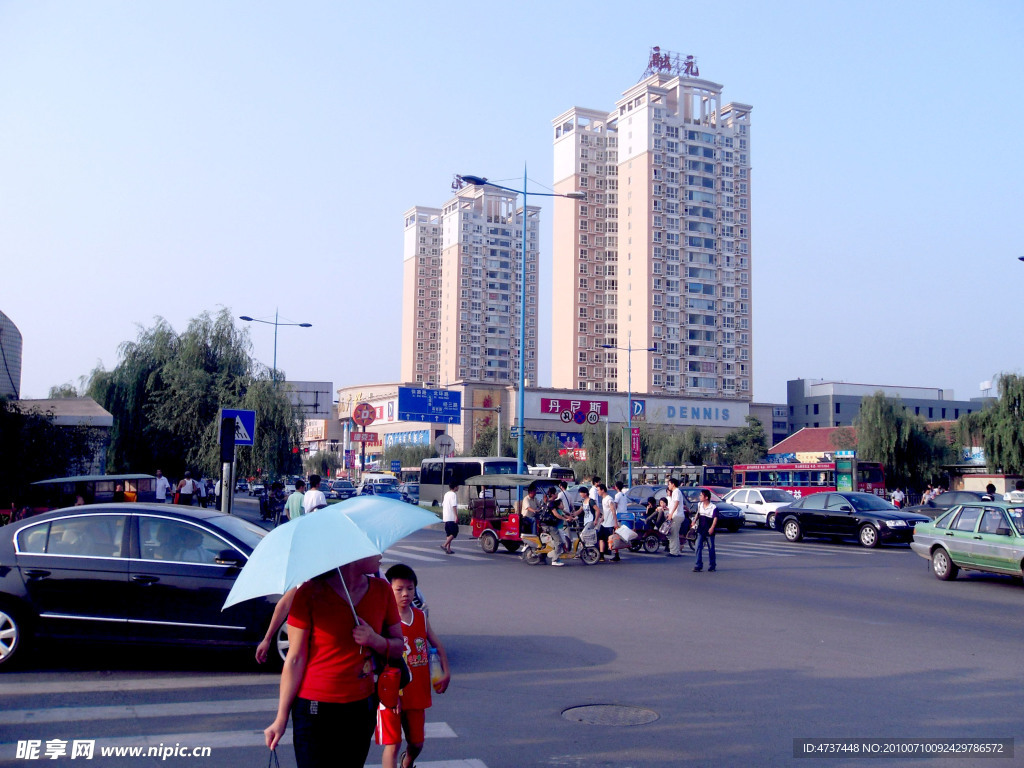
[{"x": 610, "y": 714}]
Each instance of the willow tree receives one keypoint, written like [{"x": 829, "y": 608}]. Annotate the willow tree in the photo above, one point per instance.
[
  {"x": 1000, "y": 428},
  {"x": 910, "y": 454},
  {"x": 167, "y": 390}
]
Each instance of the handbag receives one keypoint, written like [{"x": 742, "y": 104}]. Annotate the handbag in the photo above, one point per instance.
[
  {"x": 382, "y": 663},
  {"x": 691, "y": 534},
  {"x": 665, "y": 529}
]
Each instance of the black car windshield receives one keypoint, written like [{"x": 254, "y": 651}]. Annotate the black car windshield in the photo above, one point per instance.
[
  {"x": 243, "y": 530},
  {"x": 866, "y": 502},
  {"x": 774, "y": 495}
]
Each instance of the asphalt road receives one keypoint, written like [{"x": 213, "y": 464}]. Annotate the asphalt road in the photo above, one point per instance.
[{"x": 806, "y": 640}]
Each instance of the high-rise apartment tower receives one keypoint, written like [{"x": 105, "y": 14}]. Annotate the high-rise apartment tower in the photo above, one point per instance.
[
  {"x": 659, "y": 255},
  {"x": 462, "y": 290}
]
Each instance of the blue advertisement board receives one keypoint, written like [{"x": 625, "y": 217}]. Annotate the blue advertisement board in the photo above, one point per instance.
[{"x": 437, "y": 406}]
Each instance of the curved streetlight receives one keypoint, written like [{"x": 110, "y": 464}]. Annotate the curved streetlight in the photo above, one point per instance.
[
  {"x": 275, "y": 324},
  {"x": 480, "y": 181},
  {"x": 628, "y": 349}
]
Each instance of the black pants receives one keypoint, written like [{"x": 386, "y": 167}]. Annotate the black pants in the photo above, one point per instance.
[{"x": 334, "y": 735}]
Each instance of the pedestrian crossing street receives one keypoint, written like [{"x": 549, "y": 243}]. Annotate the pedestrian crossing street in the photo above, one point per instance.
[
  {"x": 747, "y": 544},
  {"x": 241, "y": 719}
]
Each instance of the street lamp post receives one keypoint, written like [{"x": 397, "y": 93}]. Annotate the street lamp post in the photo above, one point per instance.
[
  {"x": 479, "y": 181},
  {"x": 275, "y": 324},
  {"x": 628, "y": 349}
]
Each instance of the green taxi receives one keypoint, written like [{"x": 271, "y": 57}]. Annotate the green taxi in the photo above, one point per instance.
[{"x": 982, "y": 536}]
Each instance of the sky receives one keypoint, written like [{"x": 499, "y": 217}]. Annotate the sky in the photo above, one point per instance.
[{"x": 169, "y": 159}]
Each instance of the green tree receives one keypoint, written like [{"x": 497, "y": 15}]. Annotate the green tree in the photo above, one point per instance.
[
  {"x": 166, "y": 392},
  {"x": 64, "y": 391},
  {"x": 910, "y": 453},
  {"x": 746, "y": 445},
  {"x": 999, "y": 428},
  {"x": 323, "y": 463},
  {"x": 407, "y": 455}
]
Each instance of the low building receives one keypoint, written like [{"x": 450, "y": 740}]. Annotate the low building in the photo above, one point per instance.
[
  {"x": 817, "y": 403},
  {"x": 71, "y": 412}
]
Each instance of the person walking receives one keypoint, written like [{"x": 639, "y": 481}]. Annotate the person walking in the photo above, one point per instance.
[
  {"x": 676, "y": 515},
  {"x": 897, "y": 498},
  {"x": 186, "y": 490},
  {"x": 163, "y": 486},
  {"x": 327, "y": 681},
  {"x": 705, "y": 520},
  {"x": 450, "y": 516},
  {"x": 293, "y": 507},
  {"x": 314, "y": 498},
  {"x": 607, "y": 528},
  {"x": 1016, "y": 496}
]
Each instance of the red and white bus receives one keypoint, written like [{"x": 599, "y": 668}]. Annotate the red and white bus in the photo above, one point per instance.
[{"x": 801, "y": 479}]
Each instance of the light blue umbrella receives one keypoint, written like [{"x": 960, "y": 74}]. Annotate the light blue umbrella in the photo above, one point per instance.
[{"x": 324, "y": 540}]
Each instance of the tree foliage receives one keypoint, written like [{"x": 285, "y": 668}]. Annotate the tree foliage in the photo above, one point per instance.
[
  {"x": 1000, "y": 428},
  {"x": 746, "y": 445},
  {"x": 33, "y": 448},
  {"x": 910, "y": 453},
  {"x": 166, "y": 392}
]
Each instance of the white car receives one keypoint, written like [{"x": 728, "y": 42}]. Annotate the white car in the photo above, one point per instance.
[{"x": 760, "y": 504}]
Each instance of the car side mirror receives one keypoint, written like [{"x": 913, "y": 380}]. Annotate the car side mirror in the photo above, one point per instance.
[
  {"x": 845, "y": 508},
  {"x": 759, "y": 502},
  {"x": 229, "y": 557}
]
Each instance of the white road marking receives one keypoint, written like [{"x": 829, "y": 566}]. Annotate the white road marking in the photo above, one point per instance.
[{"x": 138, "y": 684}]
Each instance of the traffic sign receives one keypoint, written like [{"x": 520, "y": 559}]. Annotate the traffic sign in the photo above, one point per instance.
[
  {"x": 444, "y": 445},
  {"x": 245, "y": 424},
  {"x": 364, "y": 414},
  {"x": 438, "y": 406},
  {"x": 396, "y": 465}
]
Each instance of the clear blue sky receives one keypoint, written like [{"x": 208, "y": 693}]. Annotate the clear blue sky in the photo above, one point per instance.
[{"x": 170, "y": 158}]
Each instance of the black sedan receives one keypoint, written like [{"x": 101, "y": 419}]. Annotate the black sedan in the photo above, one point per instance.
[
  {"x": 127, "y": 573},
  {"x": 862, "y": 516},
  {"x": 944, "y": 502},
  {"x": 730, "y": 517}
]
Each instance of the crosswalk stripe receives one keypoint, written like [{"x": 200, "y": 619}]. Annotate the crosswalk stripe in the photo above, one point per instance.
[
  {"x": 137, "y": 684},
  {"x": 170, "y": 709},
  {"x": 246, "y": 738},
  {"x": 459, "y": 555}
]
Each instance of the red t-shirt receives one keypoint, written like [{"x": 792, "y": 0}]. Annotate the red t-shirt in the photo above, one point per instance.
[
  {"x": 338, "y": 670},
  {"x": 416, "y": 695}
]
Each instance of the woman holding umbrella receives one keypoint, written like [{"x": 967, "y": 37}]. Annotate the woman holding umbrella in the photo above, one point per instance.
[{"x": 336, "y": 622}]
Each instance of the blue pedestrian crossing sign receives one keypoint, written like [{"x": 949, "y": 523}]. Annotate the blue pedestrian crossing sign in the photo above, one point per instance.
[{"x": 245, "y": 424}]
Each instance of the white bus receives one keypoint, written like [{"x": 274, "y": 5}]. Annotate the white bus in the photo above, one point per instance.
[
  {"x": 436, "y": 474},
  {"x": 554, "y": 472}
]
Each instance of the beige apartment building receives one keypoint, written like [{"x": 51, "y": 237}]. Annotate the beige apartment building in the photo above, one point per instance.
[
  {"x": 462, "y": 290},
  {"x": 659, "y": 255}
]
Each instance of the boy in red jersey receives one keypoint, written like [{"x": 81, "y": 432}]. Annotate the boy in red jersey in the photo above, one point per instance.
[{"x": 409, "y": 715}]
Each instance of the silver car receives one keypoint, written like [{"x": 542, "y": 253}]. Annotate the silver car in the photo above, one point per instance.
[{"x": 760, "y": 504}]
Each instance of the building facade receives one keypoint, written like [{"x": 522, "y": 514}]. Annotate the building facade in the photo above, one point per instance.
[
  {"x": 10, "y": 358},
  {"x": 659, "y": 257},
  {"x": 819, "y": 403},
  {"x": 463, "y": 277}
]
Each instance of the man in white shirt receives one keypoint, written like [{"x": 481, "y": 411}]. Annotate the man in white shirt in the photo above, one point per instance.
[
  {"x": 314, "y": 498},
  {"x": 620, "y": 498},
  {"x": 1015, "y": 496},
  {"x": 676, "y": 515},
  {"x": 162, "y": 487},
  {"x": 607, "y": 522},
  {"x": 450, "y": 516}
]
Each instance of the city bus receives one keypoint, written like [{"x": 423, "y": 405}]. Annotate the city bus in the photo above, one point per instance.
[
  {"x": 801, "y": 479},
  {"x": 553, "y": 471},
  {"x": 409, "y": 475},
  {"x": 436, "y": 474},
  {"x": 686, "y": 474}
]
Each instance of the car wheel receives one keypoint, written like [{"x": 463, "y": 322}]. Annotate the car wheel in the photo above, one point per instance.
[
  {"x": 868, "y": 536},
  {"x": 943, "y": 566},
  {"x": 652, "y": 544},
  {"x": 489, "y": 542},
  {"x": 530, "y": 556},
  {"x": 770, "y": 520},
  {"x": 590, "y": 555},
  {"x": 511, "y": 546},
  {"x": 282, "y": 642},
  {"x": 792, "y": 531},
  {"x": 13, "y": 636}
]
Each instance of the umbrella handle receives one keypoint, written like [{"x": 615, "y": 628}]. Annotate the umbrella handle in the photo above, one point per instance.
[{"x": 355, "y": 616}]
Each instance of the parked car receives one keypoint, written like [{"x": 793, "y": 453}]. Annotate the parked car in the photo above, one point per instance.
[
  {"x": 863, "y": 516},
  {"x": 979, "y": 536},
  {"x": 946, "y": 501},
  {"x": 242, "y": 485},
  {"x": 257, "y": 488},
  {"x": 139, "y": 573},
  {"x": 760, "y": 504},
  {"x": 388, "y": 490},
  {"x": 639, "y": 494},
  {"x": 343, "y": 489},
  {"x": 730, "y": 516},
  {"x": 410, "y": 492}
]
